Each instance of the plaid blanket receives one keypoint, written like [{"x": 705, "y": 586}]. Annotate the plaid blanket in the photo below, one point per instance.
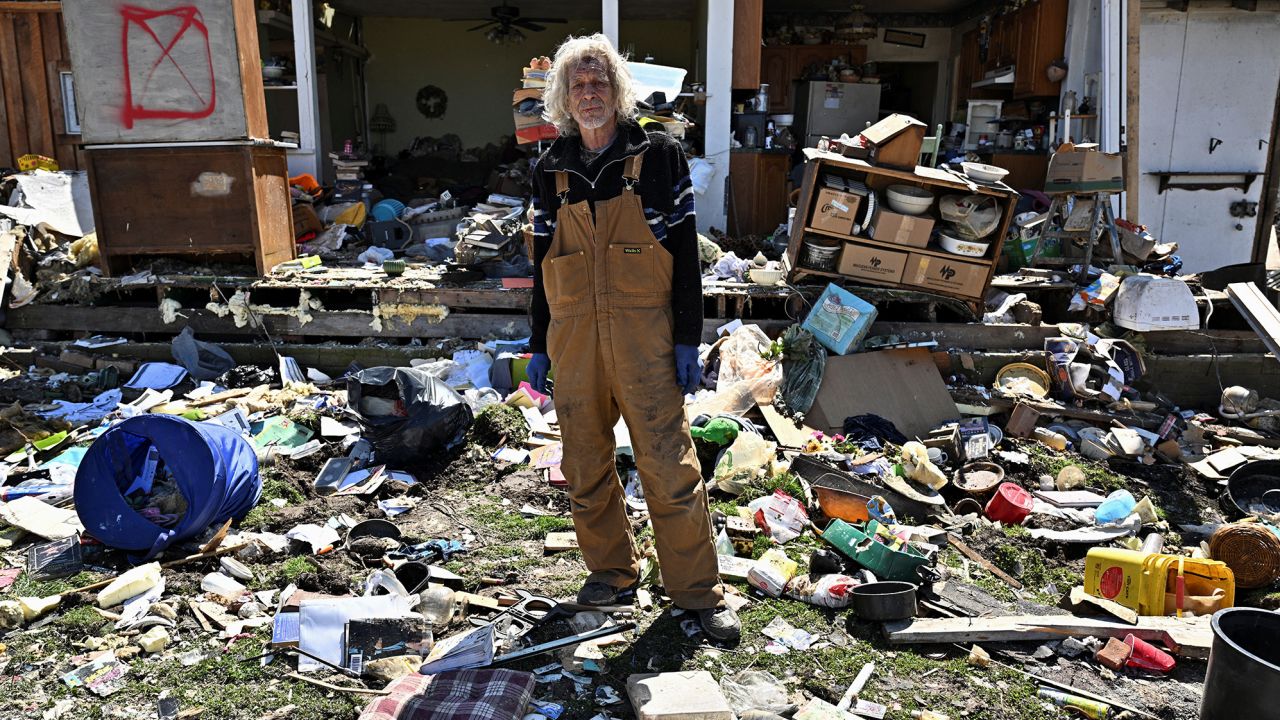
[{"x": 456, "y": 695}]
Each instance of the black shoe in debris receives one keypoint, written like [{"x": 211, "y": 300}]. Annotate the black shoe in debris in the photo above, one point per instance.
[
  {"x": 598, "y": 593},
  {"x": 721, "y": 624}
]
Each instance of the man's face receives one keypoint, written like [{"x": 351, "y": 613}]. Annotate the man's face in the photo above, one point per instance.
[{"x": 590, "y": 95}]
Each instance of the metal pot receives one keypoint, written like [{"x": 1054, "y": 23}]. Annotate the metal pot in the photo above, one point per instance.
[{"x": 893, "y": 600}]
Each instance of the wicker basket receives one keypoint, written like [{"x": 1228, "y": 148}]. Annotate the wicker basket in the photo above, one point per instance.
[{"x": 1251, "y": 551}]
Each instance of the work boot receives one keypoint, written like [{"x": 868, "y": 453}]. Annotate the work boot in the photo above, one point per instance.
[
  {"x": 721, "y": 623},
  {"x": 598, "y": 593}
]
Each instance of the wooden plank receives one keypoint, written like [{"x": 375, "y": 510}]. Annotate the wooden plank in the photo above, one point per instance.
[
  {"x": 1079, "y": 597},
  {"x": 251, "y": 85},
  {"x": 336, "y": 324},
  {"x": 560, "y": 542},
  {"x": 983, "y": 562},
  {"x": 273, "y": 231},
  {"x": 459, "y": 297},
  {"x": 1261, "y": 314},
  {"x": 35, "y": 87},
  {"x": 1193, "y": 637},
  {"x": 40, "y": 7},
  {"x": 11, "y": 78},
  {"x": 1132, "y": 139},
  {"x": 784, "y": 429}
]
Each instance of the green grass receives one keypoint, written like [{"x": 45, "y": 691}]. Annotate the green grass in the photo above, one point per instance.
[
  {"x": 25, "y": 586},
  {"x": 1097, "y": 475},
  {"x": 273, "y": 488},
  {"x": 82, "y": 620},
  {"x": 826, "y": 672},
  {"x": 498, "y": 524}
]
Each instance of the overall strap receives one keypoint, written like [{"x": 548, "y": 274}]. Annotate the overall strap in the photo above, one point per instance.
[
  {"x": 631, "y": 171},
  {"x": 562, "y": 185}
]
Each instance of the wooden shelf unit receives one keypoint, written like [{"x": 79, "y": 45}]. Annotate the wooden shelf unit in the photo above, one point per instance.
[{"x": 940, "y": 182}]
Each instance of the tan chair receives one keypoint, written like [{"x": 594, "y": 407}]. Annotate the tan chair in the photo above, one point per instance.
[{"x": 931, "y": 147}]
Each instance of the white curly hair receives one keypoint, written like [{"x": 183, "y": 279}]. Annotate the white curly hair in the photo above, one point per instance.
[{"x": 569, "y": 55}]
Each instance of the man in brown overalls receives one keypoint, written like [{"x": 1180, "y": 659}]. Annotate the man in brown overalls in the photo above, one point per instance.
[{"x": 617, "y": 309}]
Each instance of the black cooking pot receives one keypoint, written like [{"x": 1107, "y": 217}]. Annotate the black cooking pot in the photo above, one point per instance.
[{"x": 890, "y": 600}]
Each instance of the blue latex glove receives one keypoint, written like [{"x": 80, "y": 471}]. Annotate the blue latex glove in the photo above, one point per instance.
[
  {"x": 539, "y": 366},
  {"x": 687, "y": 371}
]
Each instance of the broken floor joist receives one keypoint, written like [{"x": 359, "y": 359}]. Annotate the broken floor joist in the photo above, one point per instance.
[{"x": 1193, "y": 637}]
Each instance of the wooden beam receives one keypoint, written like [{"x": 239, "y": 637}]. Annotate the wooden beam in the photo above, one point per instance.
[
  {"x": 984, "y": 563},
  {"x": 1261, "y": 314},
  {"x": 329, "y": 323},
  {"x": 1133, "y": 124},
  {"x": 1193, "y": 637},
  {"x": 31, "y": 7}
]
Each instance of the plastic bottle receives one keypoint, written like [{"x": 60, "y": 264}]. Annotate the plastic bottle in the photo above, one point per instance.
[
  {"x": 438, "y": 605},
  {"x": 130, "y": 584},
  {"x": 1115, "y": 508},
  {"x": 1050, "y": 438},
  {"x": 1092, "y": 709},
  {"x": 1070, "y": 478}
]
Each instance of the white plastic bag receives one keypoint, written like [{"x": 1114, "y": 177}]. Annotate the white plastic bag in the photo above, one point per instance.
[
  {"x": 741, "y": 361},
  {"x": 749, "y": 452},
  {"x": 918, "y": 466},
  {"x": 783, "y": 515},
  {"x": 755, "y": 690}
]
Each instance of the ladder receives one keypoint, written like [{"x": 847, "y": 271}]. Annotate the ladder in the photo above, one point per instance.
[{"x": 1101, "y": 220}]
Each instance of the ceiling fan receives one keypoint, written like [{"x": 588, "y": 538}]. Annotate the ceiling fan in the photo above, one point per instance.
[{"x": 507, "y": 16}]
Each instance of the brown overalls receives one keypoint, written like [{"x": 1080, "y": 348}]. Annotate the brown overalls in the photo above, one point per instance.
[{"x": 608, "y": 285}]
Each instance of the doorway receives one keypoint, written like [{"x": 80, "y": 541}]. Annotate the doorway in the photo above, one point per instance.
[{"x": 909, "y": 88}]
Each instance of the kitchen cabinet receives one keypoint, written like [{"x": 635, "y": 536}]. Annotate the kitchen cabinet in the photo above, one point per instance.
[
  {"x": 1043, "y": 30},
  {"x": 759, "y": 192},
  {"x": 782, "y": 65},
  {"x": 775, "y": 69},
  {"x": 748, "y": 28},
  {"x": 1026, "y": 170}
]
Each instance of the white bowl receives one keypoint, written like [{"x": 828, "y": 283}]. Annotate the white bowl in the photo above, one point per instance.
[
  {"x": 984, "y": 173},
  {"x": 967, "y": 248},
  {"x": 786, "y": 120},
  {"x": 765, "y": 276},
  {"x": 909, "y": 199},
  {"x": 273, "y": 72}
]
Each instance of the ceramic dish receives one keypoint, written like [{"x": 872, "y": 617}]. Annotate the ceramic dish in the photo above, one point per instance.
[
  {"x": 765, "y": 276},
  {"x": 967, "y": 248},
  {"x": 909, "y": 199},
  {"x": 984, "y": 173}
]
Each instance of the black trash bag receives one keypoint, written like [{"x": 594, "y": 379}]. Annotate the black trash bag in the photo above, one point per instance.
[
  {"x": 408, "y": 415},
  {"x": 204, "y": 361}
]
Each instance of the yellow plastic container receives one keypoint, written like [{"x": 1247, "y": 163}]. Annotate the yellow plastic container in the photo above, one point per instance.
[{"x": 1149, "y": 583}]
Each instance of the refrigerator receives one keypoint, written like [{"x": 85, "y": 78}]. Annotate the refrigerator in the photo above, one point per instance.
[{"x": 827, "y": 108}]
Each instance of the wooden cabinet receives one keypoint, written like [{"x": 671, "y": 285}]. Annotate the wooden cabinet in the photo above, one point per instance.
[
  {"x": 748, "y": 28},
  {"x": 928, "y": 269},
  {"x": 1044, "y": 31},
  {"x": 782, "y": 65},
  {"x": 759, "y": 186},
  {"x": 775, "y": 69},
  {"x": 230, "y": 199},
  {"x": 1026, "y": 170}
]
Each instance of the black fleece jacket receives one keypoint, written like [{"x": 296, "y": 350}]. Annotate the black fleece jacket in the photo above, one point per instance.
[{"x": 666, "y": 194}]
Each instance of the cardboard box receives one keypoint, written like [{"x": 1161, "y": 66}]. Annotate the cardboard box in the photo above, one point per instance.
[
  {"x": 872, "y": 263},
  {"x": 1083, "y": 168},
  {"x": 835, "y": 211},
  {"x": 946, "y": 275},
  {"x": 903, "y": 386},
  {"x": 840, "y": 320},
  {"x": 899, "y": 229}
]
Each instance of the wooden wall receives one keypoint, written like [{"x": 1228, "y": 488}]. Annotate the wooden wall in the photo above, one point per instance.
[{"x": 33, "y": 49}]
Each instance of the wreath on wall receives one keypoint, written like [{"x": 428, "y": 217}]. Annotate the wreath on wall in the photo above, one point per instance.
[{"x": 432, "y": 102}]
